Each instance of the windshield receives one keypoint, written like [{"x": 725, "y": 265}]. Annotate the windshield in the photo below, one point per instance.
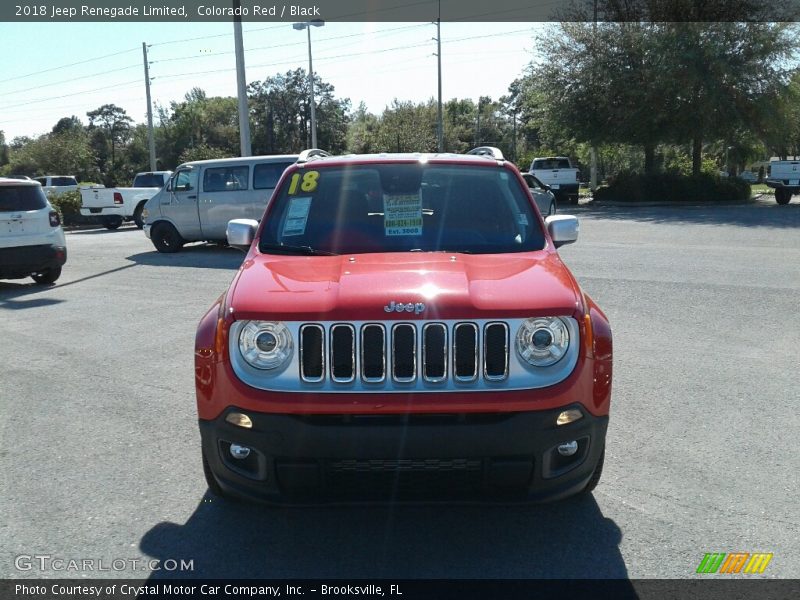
[
  {"x": 21, "y": 197},
  {"x": 401, "y": 208}
]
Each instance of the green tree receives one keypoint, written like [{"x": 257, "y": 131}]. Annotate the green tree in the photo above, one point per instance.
[
  {"x": 109, "y": 125},
  {"x": 281, "y": 114}
]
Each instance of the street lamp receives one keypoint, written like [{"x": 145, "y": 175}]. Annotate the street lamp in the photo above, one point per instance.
[{"x": 299, "y": 27}]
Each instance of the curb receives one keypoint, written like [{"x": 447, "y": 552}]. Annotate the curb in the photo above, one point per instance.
[{"x": 615, "y": 204}]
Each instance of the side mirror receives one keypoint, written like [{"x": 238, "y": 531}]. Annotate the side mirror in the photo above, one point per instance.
[
  {"x": 546, "y": 187},
  {"x": 563, "y": 229},
  {"x": 240, "y": 233}
]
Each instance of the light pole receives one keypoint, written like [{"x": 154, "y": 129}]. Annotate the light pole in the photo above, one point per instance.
[{"x": 299, "y": 27}]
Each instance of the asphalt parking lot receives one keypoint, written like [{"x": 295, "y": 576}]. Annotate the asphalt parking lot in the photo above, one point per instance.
[{"x": 100, "y": 459}]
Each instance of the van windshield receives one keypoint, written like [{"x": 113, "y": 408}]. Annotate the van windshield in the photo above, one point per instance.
[{"x": 401, "y": 207}]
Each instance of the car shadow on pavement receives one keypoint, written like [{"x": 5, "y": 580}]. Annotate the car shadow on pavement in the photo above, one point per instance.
[
  {"x": 204, "y": 256},
  {"x": 9, "y": 292},
  {"x": 226, "y": 539},
  {"x": 762, "y": 213},
  {"x": 102, "y": 231}
]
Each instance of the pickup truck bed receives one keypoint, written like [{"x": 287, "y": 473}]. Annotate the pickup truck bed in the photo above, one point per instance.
[{"x": 115, "y": 205}]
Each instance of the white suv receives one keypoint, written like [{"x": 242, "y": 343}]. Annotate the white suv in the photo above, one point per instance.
[{"x": 31, "y": 239}]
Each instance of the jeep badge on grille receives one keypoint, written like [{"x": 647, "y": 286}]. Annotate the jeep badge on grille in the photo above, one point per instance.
[{"x": 400, "y": 307}]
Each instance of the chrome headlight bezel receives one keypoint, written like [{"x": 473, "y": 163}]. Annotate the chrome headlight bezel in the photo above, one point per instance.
[
  {"x": 539, "y": 355},
  {"x": 258, "y": 357}
]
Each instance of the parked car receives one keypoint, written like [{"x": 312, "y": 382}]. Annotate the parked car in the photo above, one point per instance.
[
  {"x": 23, "y": 177},
  {"x": 57, "y": 184},
  {"x": 202, "y": 196},
  {"x": 545, "y": 199},
  {"x": 115, "y": 205},
  {"x": 558, "y": 173},
  {"x": 403, "y": 326},
  {"x": 748, "y": 176},
  {"x": 32, "y": 241},
  {"x": 784, "y": 178}
]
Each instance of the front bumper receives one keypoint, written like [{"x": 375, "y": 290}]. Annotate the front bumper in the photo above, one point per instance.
[
  {"x": 22, "y": 261},
  {"x": 146, "y": 229},
  {"x": 509, "y": 457}
]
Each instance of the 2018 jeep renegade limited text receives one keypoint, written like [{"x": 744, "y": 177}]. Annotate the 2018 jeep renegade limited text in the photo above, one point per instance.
[{"x": 403, "y": 327}]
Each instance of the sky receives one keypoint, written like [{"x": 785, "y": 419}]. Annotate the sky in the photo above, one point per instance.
[{"x": 54, "y": 70}]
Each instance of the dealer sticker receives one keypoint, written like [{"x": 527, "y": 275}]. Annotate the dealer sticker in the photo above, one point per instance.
[
  {"x": 297, "y": 216},
  {"x": 402, "y": 214}
]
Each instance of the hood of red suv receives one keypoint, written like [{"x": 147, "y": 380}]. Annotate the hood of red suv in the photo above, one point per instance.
[{"x": 439, "y": 285}]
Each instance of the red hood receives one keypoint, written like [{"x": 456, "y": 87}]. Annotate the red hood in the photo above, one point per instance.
[{"x": 471, "y": 286}]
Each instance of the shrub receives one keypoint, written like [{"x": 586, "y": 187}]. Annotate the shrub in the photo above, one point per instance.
[
  {"x": 673, "y": 187},
  {"x": 68, "y": 205}
]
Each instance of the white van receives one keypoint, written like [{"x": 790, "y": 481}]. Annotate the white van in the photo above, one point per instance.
[{"x": 202, "y": 196}]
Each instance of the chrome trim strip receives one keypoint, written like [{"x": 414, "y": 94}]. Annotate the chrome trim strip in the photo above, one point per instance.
[
  {"x": 382, "y": 378},
  {"x": 414, "y": 349},
  {"x": 352, "y": 353},
  {"x": 456, "y": 376},
  {"x": 322, "y": 349},
  {"x": 425, "y": 354},
  {"x": 521, "y": 375},
  {"x": 505, "y": 366}
]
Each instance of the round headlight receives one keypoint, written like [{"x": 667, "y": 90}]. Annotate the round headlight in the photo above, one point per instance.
[
  {"x": 542, "y": 341},
  {"x": 265, "y": 345}
]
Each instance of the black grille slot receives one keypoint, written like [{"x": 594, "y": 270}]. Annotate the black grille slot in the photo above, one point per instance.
[
  {"x": 404, "y": 352},
  {"x": 373, "y": 353},
  {"x": 495, "y": 351},
  {"x": 343, "y": 353},
  {"x": 466, "y": 351},
  {"x": 434, "y": 352},
  {"x": 312, "y": 350}
]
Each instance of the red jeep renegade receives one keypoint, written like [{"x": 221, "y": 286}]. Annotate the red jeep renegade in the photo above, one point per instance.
[{"x": 403, "y": 327}]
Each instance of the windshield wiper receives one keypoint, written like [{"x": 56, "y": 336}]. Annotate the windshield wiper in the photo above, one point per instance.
[{"x": 289, "y": 249}]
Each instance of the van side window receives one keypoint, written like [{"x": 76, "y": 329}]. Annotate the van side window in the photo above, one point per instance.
[
  {"x": 184, "y": 181},
  {"x": 266, "y": 175},
  {"x": 226, "y": 179}
]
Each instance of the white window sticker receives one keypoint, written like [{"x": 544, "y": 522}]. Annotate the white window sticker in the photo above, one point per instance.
[
  {"x": 522, "y": 219},
  {"x": 402, "y": 214},
  {"x": 297, "y": 216}
]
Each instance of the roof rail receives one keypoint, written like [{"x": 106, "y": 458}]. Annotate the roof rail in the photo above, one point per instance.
[
  {"x": 489, "y": 151},
  {"x": 310, "y": 154}
]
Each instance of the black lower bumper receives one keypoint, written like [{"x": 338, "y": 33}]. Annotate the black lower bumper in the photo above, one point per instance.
[
  {"x": 22, "y": 261},
  {"x": 326, "y": 458},
  {"x": 566, "y": 192}
]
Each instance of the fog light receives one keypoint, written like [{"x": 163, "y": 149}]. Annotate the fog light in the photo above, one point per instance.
[
  {"x": 565, "y": 449},
  {"x": 569, "y": 416},
  {"x": 242, "y": 452},
  {"x": 239, "y": 419}
]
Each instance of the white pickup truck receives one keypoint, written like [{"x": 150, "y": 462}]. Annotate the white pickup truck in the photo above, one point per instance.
[
  {"x": 558, "y": 174},
  {"x": 115, "y": 205},
  {"x": 784, "y": 178}
]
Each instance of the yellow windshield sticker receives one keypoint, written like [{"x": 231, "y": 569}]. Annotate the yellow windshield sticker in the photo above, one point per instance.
[
  {"x": 402, "y": 214},
  {"x": 307, "y": 183}
]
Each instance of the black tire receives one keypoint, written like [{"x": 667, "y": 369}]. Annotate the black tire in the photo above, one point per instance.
[
  {"x": 137, "y": 214},
  {"x": 782, "y": 196},
  {"x": 112, "y": 223},
  {"x": 598, "y": 472},
  {"x": 213, "y": 484},
  {"x": 166, "y": 238},
  {"x": 48, "y": 276}
]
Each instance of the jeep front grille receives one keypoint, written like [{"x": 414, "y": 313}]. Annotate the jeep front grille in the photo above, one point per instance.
[{"x": 403, "y": 352}]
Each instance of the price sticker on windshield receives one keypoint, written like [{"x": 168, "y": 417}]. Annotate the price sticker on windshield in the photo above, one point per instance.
[
  {"x": 402, "y": 214},
  {"x": 297, "y": 216},
  {"x": 307, "y": 183}
]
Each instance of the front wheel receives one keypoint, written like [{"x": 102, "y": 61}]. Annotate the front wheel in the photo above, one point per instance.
[
  {"x": 211, "y": 481},
  {"x": 166, "y": 238},
  {"x": 782, "y": 196},
  {"x": 137, "y": 215},
  {"x": 48, "y": 276},
  {"x": 598, "y": 472},
  {"x": 112, "y": 223}
]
